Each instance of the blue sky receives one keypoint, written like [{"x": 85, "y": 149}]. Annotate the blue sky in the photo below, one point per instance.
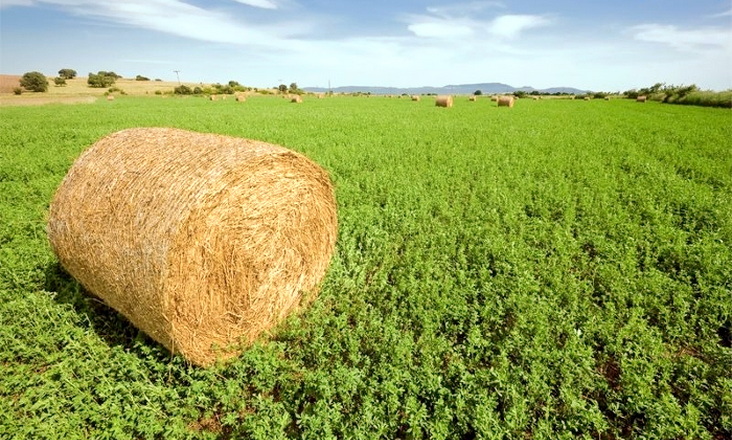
[{"x": 596, "y": 45}]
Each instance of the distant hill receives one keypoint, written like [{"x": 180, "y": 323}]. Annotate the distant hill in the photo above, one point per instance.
[{"x": 453, "y": 89}]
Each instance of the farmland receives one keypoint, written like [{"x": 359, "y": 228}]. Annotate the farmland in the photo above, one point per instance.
[{"x": 560, "y": 269}]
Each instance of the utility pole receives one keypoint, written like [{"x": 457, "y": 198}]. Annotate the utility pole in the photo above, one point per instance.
[{"x": 178, "y": 76}]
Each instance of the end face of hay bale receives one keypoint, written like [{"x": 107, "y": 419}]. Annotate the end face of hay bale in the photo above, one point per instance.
[
  {"x": 444, "y": 101},
  {"x": 641, "y": 99},
  {"x": 505, "y": 101},
  {"x": 202, "y": 241}
]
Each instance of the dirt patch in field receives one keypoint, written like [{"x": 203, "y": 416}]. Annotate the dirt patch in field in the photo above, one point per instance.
[
  {"x": 14, "y": 100},
  {"x": 9, "y": 82}
]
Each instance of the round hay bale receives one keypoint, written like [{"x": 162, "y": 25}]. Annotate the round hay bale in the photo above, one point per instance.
[
  {"x": 202, "y": 241},
  {"x": 535, "y": 98},
  {"x": 494, "y": 98},
  {"x": 641, "y": 99},
  {"x": 472, "y": 98},
  {"x": 296, "y": 99},
  {"x": 213, "y": 97},
  {"x": 586, "y": 98},
  {"x": 505, "y": 101},
  {"x": 241, "y": 98},
  {"x": 110, "y": 97},
  {"x": 444, "y": 101},
  {"x": 416, "y": 98}
]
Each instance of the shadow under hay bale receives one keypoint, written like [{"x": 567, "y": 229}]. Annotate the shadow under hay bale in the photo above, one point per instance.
[{"x": 202, "y": 241}]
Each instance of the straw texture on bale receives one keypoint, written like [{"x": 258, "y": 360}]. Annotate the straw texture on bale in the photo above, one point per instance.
[
  {"x": 444, "y": 101},
  {"x": 641, "y": 99},
  {"x": 202, "y": 241},
  {"x": 505, "y": 101}
]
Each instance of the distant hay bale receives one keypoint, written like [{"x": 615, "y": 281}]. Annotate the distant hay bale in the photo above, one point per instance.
[
  {"x": 506, "y": 101},
  {"x": 241, "y": 98},
  {"x": 444, "y": 101},
  {"x": 586, "y": 98},
  {"x": 416, "y": 98},
  {"x": 472, "y": 98},
  {"x": 110, "y": 97},
  {"x": 213, "y": 97},
  {"x": 296, "y": 99},
  {"x": 641, "y": 99},
  {"x": 494, "y": 98},
  {"x": 607, "y": 98},
  {"x": 202, "y": 241},
  {"x": 535, "y": 98}
]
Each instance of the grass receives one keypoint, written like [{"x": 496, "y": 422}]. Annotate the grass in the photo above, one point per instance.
[{"x": 562, "y": 269}]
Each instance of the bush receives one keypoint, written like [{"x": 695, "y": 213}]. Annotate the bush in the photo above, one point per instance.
[
  {"x": 197, "y": 91},
  {"x": 67, "y": 73},
  {"x": 34, "y": 81},
  {"x": 182, "y": 90},
  {"x": 141, "y": 78},
  {"x": 59, "y": 81},
  {"x": 17, "y": 90}
]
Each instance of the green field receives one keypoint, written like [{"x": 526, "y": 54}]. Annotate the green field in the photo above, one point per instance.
[{"x": 562, "y": 269}]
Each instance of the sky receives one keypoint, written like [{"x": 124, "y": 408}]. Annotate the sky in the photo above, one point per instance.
[{"x": 595, "y": 45}]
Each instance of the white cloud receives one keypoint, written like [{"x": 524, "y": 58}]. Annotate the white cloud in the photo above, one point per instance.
[
  {"x": 684, "y": 39},
  {"x": 511, "y": 26},
  {"x": 440, "y": 29},
  {"x": 264, "y": 4}
]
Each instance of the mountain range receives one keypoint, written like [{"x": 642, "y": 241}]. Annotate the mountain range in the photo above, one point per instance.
[{"x": 453, "y": 89}]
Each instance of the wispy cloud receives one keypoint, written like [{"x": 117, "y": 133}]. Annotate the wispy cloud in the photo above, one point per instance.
[
  {"x": 464, "y": 9},
  {"x": 9, "y": 3},
  {"x": 727, "y": 13},
  {"x": 441, "y": 29},
  {"x": 183, "y": 19},
  {"x": 264, "y": 4},
  {"x": 511, "y": 26},
  {"x": 684, "y": 39}
]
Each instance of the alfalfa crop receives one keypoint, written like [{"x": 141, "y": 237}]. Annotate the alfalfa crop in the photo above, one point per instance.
[
  {"x": 202, "y": 241},
  {"x": 443, "y": 101}
]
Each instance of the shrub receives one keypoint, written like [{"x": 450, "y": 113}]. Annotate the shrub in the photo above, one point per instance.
[
  {"x": 182, "y": 90},
  {"x": 34, "y": 81},
  {"x": 141, "y": 78},
  {"x": 17, "y": 90},
  {"x": 197, "y": 91},
  {"x": 59, "y": 81}
]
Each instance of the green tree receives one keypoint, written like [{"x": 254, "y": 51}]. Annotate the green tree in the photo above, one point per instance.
[
  {"x": 67, "y": 73},
  {"x": 59, "y": 81},
  {"x": 101, "y": 80},
  {"x": 478, "y": 92},
  {"x": 141, "y": 78},
  {"x": 34, "y": 81},
  {"x": 282, "y": 88},
  {"x": 293, "y": 88}
]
